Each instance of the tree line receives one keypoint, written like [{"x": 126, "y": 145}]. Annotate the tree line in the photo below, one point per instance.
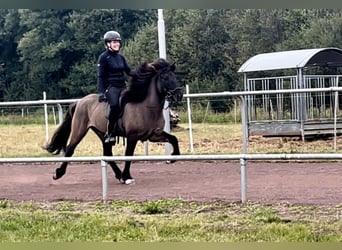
[{"x": 56, "y": 50}]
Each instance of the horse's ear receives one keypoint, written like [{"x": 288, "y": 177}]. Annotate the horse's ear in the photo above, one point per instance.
[
  {"x": 173, "y": 67},
  {"x": 151, "y": 66}
]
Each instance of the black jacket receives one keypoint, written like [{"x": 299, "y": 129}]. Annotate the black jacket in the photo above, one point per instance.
[{"x": 111, "y": 69}]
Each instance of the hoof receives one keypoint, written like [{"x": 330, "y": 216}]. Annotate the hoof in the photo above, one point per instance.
[
  {"x": 170, "y": 162},
  {"x": 54, "y": 177},
  {"x": 121, "y": 181},
  {"x": 58, "y": 174},
  {"x": 130, "y": 182}
]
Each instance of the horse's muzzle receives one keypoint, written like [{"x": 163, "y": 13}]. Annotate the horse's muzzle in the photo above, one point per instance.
[{"x": 176, "y": 97}]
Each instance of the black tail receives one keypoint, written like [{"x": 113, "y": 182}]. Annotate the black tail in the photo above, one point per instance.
[{"x": 60, "y": 138}]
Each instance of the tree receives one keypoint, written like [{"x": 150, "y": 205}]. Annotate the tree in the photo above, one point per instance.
[
  {"x": 56, "y": 50},
  {"x": 44, "y": 51},
  {"x": 10, "y": 32},
  {"x": 59, "y": 49}
]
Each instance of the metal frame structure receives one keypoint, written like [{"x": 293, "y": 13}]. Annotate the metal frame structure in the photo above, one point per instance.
[{"x": 292, "y": 114}]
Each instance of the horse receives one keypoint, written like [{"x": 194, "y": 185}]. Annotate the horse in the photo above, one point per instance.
[{"x": 141, "y": 117}]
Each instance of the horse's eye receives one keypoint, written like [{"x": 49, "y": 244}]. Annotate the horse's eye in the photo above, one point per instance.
[{"x": 165, "y": 77}]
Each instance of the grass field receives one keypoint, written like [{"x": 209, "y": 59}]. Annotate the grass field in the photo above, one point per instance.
[
  {"x": 26, "y": 141},
  {"x": 168, "y": 221}
]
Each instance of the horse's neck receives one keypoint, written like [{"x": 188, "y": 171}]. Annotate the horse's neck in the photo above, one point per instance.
[{"x": 154, "y": 99}]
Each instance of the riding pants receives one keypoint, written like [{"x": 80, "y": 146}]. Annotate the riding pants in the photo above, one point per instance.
[{"x": 113, "y": 94}]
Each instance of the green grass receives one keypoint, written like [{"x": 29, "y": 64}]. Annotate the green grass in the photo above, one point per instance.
[{"x": 168, "y": 221}]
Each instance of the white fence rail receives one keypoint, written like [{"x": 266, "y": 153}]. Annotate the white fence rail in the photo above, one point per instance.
[{"x": 44, "y": 103}]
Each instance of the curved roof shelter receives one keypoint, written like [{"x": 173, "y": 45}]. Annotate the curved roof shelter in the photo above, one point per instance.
[{"x": 293, "y": 59}]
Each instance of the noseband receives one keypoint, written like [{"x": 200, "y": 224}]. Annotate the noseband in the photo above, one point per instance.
[{"x": 170, "y": 93}]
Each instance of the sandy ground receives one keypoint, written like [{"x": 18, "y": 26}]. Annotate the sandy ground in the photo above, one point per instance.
[{"x": 270, "y": 183}]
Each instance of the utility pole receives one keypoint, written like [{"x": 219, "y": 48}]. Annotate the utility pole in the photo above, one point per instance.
[{"x": 162, "y": 54}]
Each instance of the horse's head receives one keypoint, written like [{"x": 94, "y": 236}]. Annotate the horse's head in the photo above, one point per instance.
[{"x": 167, "y": 81}]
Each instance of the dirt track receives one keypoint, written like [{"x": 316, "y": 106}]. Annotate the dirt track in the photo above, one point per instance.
[{"x": 271, "y": 183}]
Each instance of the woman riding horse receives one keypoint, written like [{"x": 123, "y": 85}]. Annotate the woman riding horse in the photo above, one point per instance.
[
  {"x": 111, "y": 79},
  {"x": 142, "y": 118}
]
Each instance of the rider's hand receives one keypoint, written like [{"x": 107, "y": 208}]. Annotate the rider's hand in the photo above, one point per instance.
[{"x": 102, "y": 98}]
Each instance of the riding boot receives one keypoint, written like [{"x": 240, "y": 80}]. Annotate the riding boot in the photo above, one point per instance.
[
  {"x": 111, "y": 126},
  {"x": 109, "y": 136}
]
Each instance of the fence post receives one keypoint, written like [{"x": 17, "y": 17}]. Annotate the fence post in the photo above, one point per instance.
[
  {"x": 104, "y": 181},
  {"x": 244, "y": 149},
  {"x": 46, "y": 119},
  {"x": 60, "y": 113},
  {"x": 243, "y": 180},
  {"x": 189, "y": 120},
  {"x": 335, "y": 120}
]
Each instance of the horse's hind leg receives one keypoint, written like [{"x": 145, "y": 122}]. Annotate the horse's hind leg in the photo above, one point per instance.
[
  {"x": 107, "y": 151},
  {"x": 62, "y": 169},
  {"x": 76, "y": 136}
]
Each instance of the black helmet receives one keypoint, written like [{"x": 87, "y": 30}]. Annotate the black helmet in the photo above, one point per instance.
[{"x": 111, "y": 36}]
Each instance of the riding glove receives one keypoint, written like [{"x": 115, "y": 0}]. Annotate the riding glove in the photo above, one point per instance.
[{"x": 102, "y": 98}]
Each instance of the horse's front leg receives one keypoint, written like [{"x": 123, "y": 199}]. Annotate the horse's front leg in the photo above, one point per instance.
[
  {"x": 173, "y": 141},
  {"x": 126, "y": 174},
  {"x": 162, "y": 136},
  {"x": 107, "y": 151}
]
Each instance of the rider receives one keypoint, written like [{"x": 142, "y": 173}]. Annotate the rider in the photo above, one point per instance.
[{"x": 111, "y": 79}]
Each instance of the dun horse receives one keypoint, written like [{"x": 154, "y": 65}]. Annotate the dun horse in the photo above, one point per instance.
[{"x": 142, "y": 117}]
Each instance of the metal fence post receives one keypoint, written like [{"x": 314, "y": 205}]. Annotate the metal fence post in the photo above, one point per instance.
[
  {"x": 104, "y": 181},
  {"x": 243, "y": 180},
  {"x": 46, "y": 119}
]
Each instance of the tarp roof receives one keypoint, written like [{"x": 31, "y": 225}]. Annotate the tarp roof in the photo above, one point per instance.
[{"x": 293, "y": 59}]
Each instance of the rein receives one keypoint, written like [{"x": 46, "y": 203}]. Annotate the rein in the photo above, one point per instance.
[{"x": 171, "y": 92}]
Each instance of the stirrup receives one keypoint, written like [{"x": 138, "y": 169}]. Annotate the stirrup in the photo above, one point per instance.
[{"x": 109, "y": 139}]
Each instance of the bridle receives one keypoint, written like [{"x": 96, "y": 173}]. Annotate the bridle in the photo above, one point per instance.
[{"x": 169, "y": 93}]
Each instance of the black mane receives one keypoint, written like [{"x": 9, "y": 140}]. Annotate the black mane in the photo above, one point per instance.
[{"x": 141, "y": 78}]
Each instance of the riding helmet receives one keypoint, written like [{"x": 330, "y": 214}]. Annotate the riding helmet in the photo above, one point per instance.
[{"x": 111, "y": 36}]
